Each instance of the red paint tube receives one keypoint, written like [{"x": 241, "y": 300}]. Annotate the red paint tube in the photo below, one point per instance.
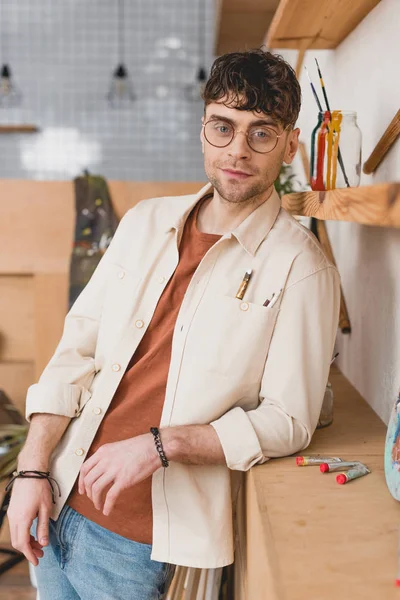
[
  {"x": 329, "y": 467},
  {"x": 305, "y": 461},
  {"x": 360, "y": 471}
]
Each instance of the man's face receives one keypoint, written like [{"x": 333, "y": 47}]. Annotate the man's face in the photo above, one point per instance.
[{"x": 260, "y": 170}]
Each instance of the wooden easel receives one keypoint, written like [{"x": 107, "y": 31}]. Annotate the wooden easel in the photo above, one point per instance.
[{"x": 319, "y": 228}]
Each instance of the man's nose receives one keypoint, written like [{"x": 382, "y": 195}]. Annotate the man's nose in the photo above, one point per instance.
[{"x": 239, "y": 147}]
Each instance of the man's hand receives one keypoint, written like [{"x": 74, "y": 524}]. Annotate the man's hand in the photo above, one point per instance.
[
  {"x": 30, "y": 498},
  {"x": 122, "y": 464}
]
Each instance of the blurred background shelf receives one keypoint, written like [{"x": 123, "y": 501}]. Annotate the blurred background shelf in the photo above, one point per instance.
[
  {"x": 370, "y": 205},
  {"x": 242, "y": 23},
  {"x": 318, "y": 24},
  {"x": 18, "y": 128}
]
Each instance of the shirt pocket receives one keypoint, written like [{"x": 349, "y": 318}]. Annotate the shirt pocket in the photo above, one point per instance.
[
  {"x": 231, "y": 337},
  {"x": 118, "y": 304}
]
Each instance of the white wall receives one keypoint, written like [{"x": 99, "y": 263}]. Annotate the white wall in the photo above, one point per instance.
[{"x": 363, "y": 74}]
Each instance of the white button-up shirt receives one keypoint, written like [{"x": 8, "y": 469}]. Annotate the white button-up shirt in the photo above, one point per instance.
[{"x": 256, "y": 373}]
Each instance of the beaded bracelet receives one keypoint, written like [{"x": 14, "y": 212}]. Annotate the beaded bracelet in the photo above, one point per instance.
[{"x": 159, "y": 446}]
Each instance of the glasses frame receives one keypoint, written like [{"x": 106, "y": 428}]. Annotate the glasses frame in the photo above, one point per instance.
[{"x": 246, "y": 133}]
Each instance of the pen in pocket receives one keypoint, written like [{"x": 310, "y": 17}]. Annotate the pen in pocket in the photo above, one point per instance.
[
  {"x": 273, "y": 299},
  {"x": 244, "y": 284},
  {"x": 268, "y": 301}
]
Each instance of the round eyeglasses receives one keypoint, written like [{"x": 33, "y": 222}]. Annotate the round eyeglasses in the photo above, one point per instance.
[{"x": 260, "y": 138}]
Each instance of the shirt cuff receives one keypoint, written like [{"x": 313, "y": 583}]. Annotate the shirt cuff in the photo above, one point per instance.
[
  {"x": 238, "y": 440},
  {"x": 56, "y": 398}
]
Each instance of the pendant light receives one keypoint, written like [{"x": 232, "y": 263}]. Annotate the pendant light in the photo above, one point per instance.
[
  {"x": 10, "y": 94},
  {"x": 121, "y": 93},
  {"x": 194, "y": 90}
]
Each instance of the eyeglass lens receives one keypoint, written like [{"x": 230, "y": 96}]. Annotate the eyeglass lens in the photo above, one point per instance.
[{"x": 260, "y": 138}]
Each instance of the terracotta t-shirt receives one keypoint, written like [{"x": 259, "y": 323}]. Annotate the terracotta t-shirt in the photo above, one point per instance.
[{"x": 138, "y": 402}]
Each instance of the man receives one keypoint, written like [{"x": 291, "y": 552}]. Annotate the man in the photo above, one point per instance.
[{"x": 212, "y": 316}]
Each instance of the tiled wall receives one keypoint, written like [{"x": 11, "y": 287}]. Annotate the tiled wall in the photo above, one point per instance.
[{"x": 62, "y": 53}]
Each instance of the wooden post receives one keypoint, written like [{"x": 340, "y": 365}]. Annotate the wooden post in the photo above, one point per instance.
[
  {"x": 387, "y": 140},
  {"x": 344, "y": 321}
]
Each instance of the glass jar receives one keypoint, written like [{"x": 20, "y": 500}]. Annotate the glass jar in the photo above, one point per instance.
[
  {"x": 326, "y": 415},
  {"x": 335, "y": 151}
]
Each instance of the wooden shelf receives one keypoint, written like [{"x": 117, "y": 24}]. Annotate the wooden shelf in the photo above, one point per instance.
[
  {"x": 370, "y": 205},
  {"x": 310, "y": 538},
  {"x": 242, "y": 24},
  {"x": 319, "y": 24},
  {"x": 18, "y": 129}
]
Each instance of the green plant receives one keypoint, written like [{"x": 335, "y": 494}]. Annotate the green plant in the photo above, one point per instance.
[
  {"x": 12, "y": 438},
  {"x": 286, "y": 182}
]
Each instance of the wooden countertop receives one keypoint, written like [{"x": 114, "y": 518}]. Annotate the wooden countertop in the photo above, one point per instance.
[{"x": 309, "y": 538}]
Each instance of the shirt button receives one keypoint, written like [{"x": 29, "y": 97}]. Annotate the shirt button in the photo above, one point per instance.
[
  {"x": 139, "y": 324},
  {"x": 244, "y": 306},
  {"x": 116, "y": 367},
  {"x": 97, "y": 410},
  {"x": 161, "y": 280},
  {"x": 121, "y": 274},
  {"x": 79, "y": 451}
]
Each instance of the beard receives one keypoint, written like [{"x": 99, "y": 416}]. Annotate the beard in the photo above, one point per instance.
[{"x": 243, "y": 191}]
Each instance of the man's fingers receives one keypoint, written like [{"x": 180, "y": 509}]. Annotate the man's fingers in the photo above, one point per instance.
[
  {"x": 99, "y": 487},
  {"x": 111, "y": 498},
  {"x": 34, "y": 542},
  {"x": 23, "y": 543},
  {"x": 30, "y": 555},
  {"x": 38, "y": 552},
  {"x": 85, "y": 468},
  {"x": 93, "y": 475},
  {"x": 36, "y": 547},
  {"x": 42, "y": 530}
]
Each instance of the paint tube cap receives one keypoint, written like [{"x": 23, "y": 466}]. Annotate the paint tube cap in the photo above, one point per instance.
[
  {"x": 341, "y": 478},
  {"x": 324, "y": 468},
  {"x": 300, "y": 461}
]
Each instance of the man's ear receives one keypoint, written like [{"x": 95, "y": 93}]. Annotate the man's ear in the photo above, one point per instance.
[
  {"x": 292, "y": 145},
  {"x": 202, "y": 135}
]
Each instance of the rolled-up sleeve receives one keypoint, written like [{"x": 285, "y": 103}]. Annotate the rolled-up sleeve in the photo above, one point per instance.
[
  {"x": 294, "y": 378},
  {"x": 63, "y": 386}
]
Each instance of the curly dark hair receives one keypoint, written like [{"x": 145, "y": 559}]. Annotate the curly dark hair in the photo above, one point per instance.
[{"x": 255, "y": 80}]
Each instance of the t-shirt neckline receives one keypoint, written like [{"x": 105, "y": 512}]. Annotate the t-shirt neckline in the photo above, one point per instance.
[{"x": 201, "y": 235}]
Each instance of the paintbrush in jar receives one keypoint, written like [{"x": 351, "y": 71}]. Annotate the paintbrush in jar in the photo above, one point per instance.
[{"x": 340, "y": 159}]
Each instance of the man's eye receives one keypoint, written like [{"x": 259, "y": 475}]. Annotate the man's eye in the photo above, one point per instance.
[
  {"x": 222, "y": 128},
  {"x": 262, "y": 134}
]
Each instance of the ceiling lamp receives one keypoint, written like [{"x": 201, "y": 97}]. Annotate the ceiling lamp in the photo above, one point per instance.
[
  {"x": 10, "y": 95},
  {"x": 121, "y": 93}
]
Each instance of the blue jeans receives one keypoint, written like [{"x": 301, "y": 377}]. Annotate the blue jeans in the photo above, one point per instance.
[{"x": 84, "y": 561}]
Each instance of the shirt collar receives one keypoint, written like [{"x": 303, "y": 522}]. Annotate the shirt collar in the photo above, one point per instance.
[{"x": 249, "y": 233}]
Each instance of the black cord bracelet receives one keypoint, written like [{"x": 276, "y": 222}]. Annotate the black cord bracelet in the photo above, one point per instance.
[
  {"x": 159, "y": 446},
  {"x": 35, "y": 475}
]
